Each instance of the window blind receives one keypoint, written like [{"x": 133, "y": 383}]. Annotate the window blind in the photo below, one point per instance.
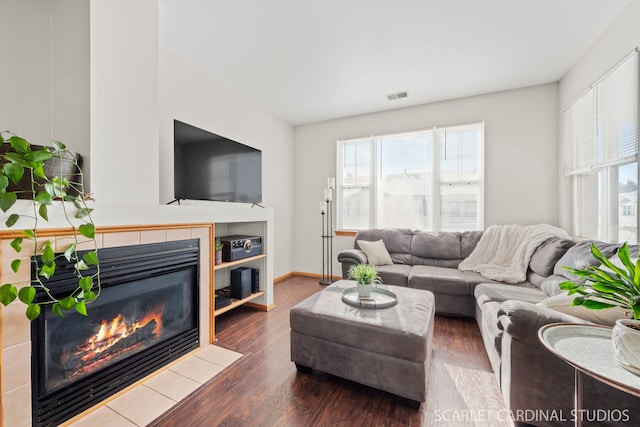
[{"x": 604, "y": 121}]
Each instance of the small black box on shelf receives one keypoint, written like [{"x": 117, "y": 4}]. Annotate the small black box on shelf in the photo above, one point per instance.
[
  {"x": 240, "y": 283},
  {"x": 255, "y": 280}
]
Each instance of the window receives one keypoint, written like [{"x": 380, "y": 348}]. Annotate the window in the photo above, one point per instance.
[
  {"x": 604, "y": 128},
  {"x": 428, "y": 180}
]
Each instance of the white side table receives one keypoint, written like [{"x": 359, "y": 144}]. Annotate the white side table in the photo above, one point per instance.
[{"x": 589, "y": 350}]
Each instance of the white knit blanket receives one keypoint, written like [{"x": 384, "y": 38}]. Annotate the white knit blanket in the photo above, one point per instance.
[{"x": 504, "y": 251}]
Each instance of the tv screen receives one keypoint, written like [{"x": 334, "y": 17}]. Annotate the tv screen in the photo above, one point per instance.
[{"x": 211, "y": 167}]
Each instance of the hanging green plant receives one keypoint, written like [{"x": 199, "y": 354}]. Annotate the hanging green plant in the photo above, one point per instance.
[{"x": 41, "y": 175}]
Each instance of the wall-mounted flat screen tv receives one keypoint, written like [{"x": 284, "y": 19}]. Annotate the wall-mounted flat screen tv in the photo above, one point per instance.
[{"x": 211, "y": 167}]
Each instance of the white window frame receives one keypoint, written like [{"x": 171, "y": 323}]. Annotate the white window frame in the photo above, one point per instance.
[
  {"x": 587, "y": 139},
  {"x": 434, "y": 207}
]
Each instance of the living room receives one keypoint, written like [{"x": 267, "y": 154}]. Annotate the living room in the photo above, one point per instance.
[{"x": 73, "y": 87}]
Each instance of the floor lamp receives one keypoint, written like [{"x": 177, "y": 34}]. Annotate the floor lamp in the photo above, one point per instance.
[{"x": 327, "y": 233}]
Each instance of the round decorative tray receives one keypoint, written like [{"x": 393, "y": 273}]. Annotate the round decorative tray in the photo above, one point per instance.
[{"x": 379, "y": 298}]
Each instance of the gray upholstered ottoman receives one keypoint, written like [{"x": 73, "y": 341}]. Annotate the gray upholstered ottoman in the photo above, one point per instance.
[{"x": 389, "y": 348}]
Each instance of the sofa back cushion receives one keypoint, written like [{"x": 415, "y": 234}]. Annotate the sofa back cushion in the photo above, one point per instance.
[
  {"x": 546, "y": 256},
  {"x": 442, "y": 249},
  {"x": 579, "y": 257},
  {"x": 396, "y": 240}
]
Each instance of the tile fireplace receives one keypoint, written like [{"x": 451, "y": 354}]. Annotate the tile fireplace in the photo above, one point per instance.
[{"x": 146, "y": 317}]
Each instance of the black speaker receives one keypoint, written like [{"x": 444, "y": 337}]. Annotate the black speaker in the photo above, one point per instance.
[
  {"x": 255, "y": 280},
  {"x": 240, "y": 283}
]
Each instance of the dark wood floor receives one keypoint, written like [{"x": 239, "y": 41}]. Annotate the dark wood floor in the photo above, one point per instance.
[{"x": 263, "y": 388}]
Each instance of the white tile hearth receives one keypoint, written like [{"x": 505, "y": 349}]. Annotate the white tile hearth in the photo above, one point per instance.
[{"x": 150, "y": 399}]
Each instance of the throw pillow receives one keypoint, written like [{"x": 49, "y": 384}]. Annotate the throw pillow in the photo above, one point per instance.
[
  {"x": 562, "y": 303},
  {"x": 547, "y": 254},
  {"x": 376, "y": 252},
  {"x": 579, "y": 256}
]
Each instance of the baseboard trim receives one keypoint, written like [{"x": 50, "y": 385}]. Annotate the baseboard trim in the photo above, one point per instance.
[{"x": 305, "y": 274}]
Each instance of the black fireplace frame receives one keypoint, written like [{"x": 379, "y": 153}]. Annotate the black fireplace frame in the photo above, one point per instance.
[{"x": 117, "y": 266}]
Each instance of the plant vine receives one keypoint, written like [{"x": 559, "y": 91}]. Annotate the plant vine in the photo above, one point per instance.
[{"x": 22, "y": 161}]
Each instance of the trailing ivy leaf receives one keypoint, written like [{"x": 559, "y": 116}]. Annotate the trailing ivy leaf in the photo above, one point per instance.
[
  {"x": 1, "y": 138},
  {"x": 87, "y": 230},
  {"x": 89, "y": 296},
  {"x": 80, "y": 266},
  {"x": 15, "y": 265},
  {"x": 57, "y": 310},
  {"x": 38, "y": 171},
  {"x": 90, "y": 258},
  {"x": 13, "y": 171},
  {"x": 47, "y": 271},
  {"x": 4, "y": 182},
  {"x": 49, "y": 188},
  {"x": 27, "y": 294},
  {"x": 18, "y": 159},
  {"x": 42, "y": 211},
  {"x": 16, "y": 244},
  {"x": 19, "y": 144},
  {"x": 8, "y": 293},
  {"x": 81, "y": 307},
  {"x": 69, "y": 252},
  {"x": 11, "y": 221},
  {"x": 83, "y": 212},
  {"x": 7, "y": 199},
  {"x": 43, "y": 198},
  {"x": 57, "y": 145},
  {"x": 86, "y": 283},
  {"x": 67, "y": 303},
  {"x": 48, "y": 257},
  {"x": 33, "y": 311},
  {"x": 38, "y": 156}
]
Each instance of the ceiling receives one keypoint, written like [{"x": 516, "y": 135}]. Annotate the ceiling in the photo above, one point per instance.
[{"x": 306, "y": 61}]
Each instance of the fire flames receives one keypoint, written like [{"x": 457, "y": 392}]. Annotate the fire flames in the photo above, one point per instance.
[{"x": 115, "y": 331}]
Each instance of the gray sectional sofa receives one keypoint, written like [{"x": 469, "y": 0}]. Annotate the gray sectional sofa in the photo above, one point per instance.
[{"x": 534, "y": 383}]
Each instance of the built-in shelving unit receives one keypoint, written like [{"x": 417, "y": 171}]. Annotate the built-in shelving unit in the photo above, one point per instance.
[{"x": 221, "y": 272}]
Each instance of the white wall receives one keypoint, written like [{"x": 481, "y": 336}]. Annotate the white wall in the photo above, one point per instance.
[
  {"x": 620, "y": 38},
  {"x": 124, "y": 101},
  {"x": 188, "y": 95},
  {"x": 44, "y": 79},
  {"x": 520, "y": 159}
]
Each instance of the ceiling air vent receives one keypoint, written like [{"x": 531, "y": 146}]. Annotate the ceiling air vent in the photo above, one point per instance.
[{"x": 397, "y": 95}]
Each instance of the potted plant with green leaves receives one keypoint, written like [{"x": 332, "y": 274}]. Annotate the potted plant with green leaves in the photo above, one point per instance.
[
  {"x": 39, "y": 174},
  {"x": 608, "y": 285},
  {"x": 366, "y": 275},
  {"x": 217, "y": 246}
]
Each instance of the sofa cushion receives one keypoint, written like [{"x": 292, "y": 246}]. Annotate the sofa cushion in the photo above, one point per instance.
[
  {"x": 562, "y": 303},
  {"x": 394, "y": 274},
  {"x": 396, "y": 240},
  {"x": 485, "y": 292},
  {"x": 547, "y": 254},
  {"x": 468, "y": 242},
  {"x": 442, "y": 280},
  {"x": 491, "y": 332},
  {"x": 550, "y": 285},
  {"x": 579, "y": 257},
  {"x": 376, "y": 252},
  {"x": 438, "y": 245}
]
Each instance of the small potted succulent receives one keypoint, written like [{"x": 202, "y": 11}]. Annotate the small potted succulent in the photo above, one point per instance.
[
  {"x": 613, "y": 285},
  {"x": 217, "y": 247},
  {"x": 366, "y": 275}
]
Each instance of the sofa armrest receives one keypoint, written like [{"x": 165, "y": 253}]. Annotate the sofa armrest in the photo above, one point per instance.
[
  {"x": 522, "y": 320},
  {"x": 352, "y": 256}
]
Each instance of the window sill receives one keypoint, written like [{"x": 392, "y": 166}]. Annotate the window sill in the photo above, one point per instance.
[{"x": 346, "y": 233}]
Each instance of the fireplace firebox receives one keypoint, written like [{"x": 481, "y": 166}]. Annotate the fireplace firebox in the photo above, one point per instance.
[{"x": 145, "y": 317}]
